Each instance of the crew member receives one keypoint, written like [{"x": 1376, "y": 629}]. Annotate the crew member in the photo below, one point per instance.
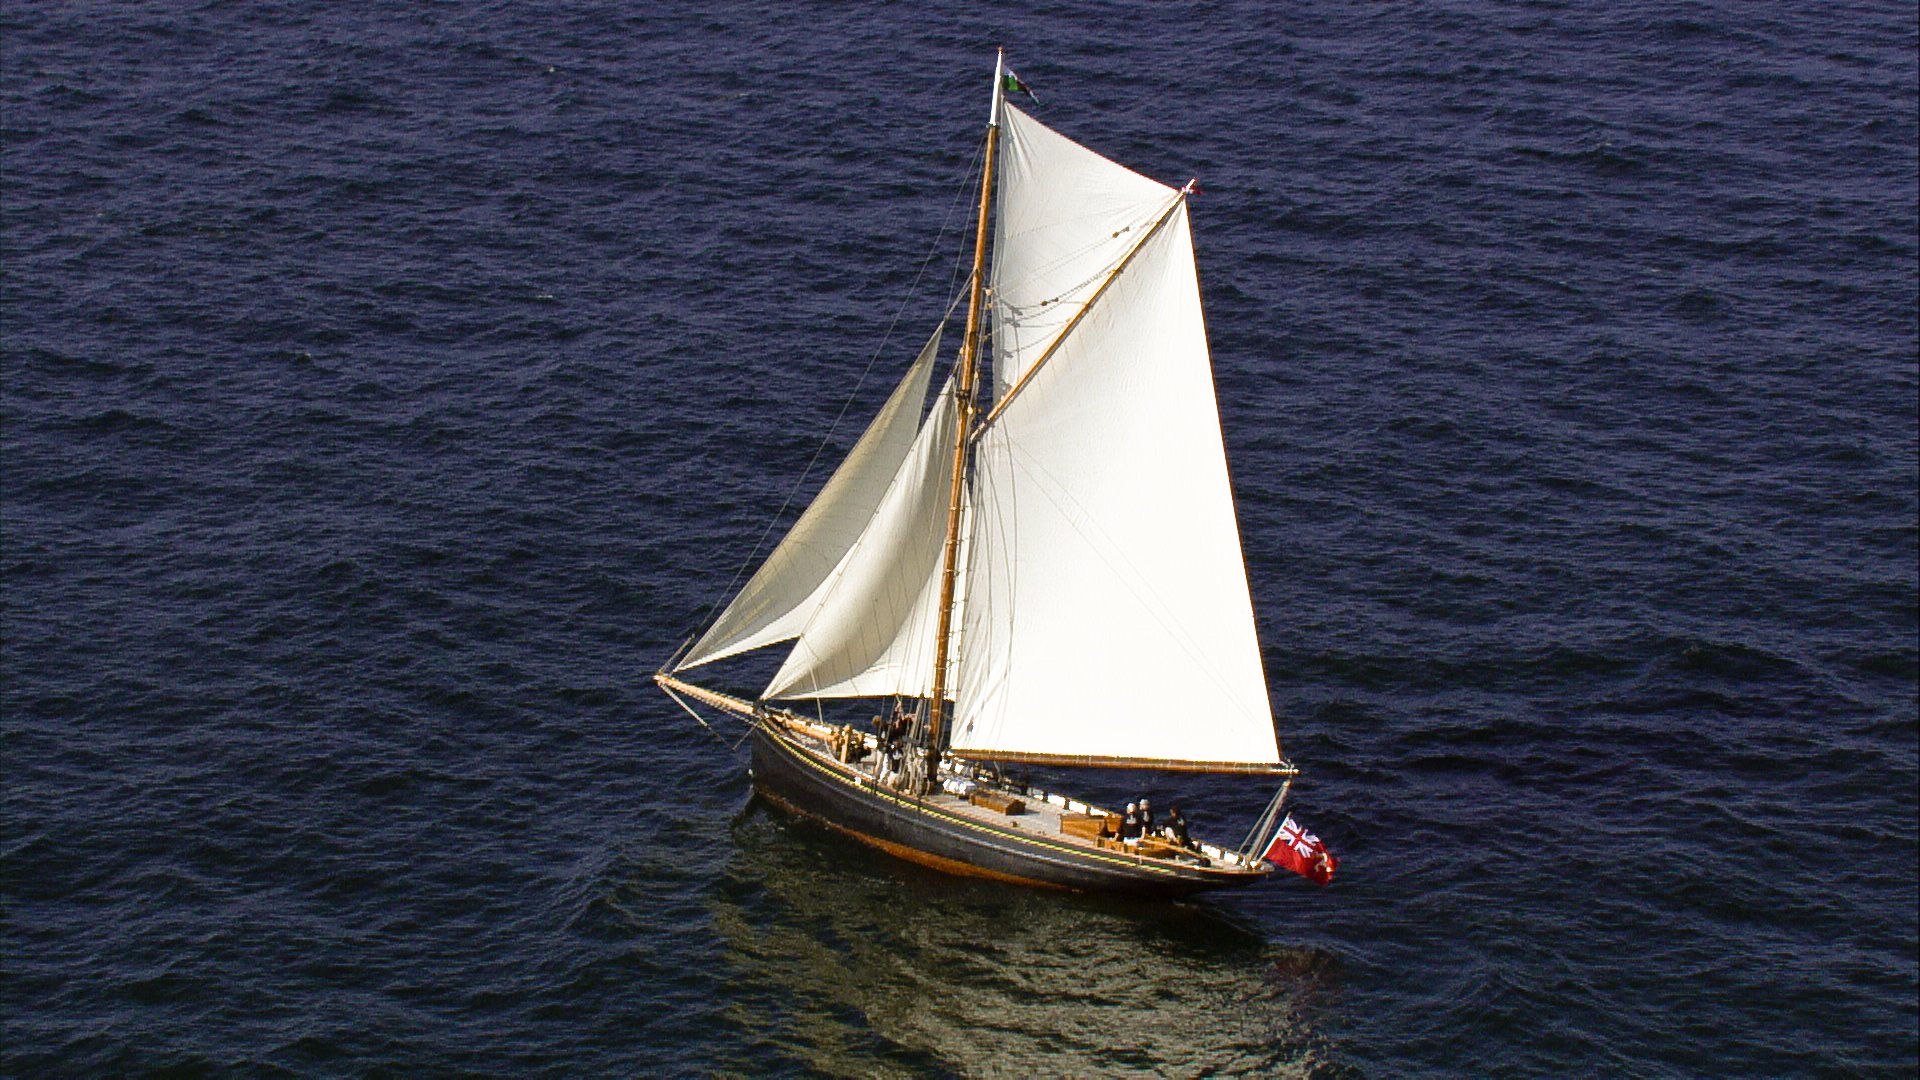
[
  {"x": 1176, "y": 828},
  {"x": 900, "y": 727}
]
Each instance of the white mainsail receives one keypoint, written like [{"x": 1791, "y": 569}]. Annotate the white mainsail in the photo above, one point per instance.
[
  {"x": 873, "y": 632},
  {"x": 789, "y": 587},
  {"x": 1108, "y": 614}
]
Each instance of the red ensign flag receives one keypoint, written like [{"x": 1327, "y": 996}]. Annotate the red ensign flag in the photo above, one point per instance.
[{"x": 1300, "y": 851}]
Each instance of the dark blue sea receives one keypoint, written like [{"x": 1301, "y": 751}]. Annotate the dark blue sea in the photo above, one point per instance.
[{"x": 386, "y": 390}]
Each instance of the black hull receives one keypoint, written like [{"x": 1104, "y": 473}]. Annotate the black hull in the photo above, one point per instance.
[{"x": 815, "y": 787}]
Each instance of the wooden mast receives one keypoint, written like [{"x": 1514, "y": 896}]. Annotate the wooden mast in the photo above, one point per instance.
[{"x": 963, "y": 416}]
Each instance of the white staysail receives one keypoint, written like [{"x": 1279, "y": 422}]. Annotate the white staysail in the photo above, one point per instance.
[
  {"x": 873, "y": 631},
  {"x": 1108, "y": 614},
  {"x": 1067, "y": 216},
  {"x": 790, "y": 586}
]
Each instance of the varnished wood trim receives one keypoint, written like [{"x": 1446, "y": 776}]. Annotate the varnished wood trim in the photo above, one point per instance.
[
  {"x": 1094, "y": 761},
  {"x": 963, "y": 419}
]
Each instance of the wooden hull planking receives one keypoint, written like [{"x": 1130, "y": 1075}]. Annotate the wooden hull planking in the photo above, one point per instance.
[{"x": 811, "y": 784}]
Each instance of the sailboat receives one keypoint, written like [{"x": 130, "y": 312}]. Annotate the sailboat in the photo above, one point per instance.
[{"x": 1042, "y": 571}]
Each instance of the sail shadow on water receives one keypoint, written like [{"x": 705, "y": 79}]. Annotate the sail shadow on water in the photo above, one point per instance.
[{"x": 846, "y": 963}]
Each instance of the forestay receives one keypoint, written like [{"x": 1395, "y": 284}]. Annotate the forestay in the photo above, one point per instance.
[
  {"x": 873, "y": 631},
  {"x": 787, "y": 590}
]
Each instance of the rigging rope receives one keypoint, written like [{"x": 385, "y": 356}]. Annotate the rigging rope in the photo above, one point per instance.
[
  {"x": 733, "y": 748},
  {"x": 753, "y": 557}
]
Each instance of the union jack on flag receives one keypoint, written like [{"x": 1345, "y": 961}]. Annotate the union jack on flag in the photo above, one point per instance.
[{"x": 1300, "y": 851}]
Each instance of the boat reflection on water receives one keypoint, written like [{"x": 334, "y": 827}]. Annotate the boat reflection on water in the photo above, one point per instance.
[{"x": 843, "y": 961}]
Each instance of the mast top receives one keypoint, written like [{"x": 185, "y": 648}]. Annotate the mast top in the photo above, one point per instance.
[{"x": 999, "y": 77}]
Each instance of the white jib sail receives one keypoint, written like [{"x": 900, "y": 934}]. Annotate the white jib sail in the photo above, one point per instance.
[
  {"x": 873, "y": 632},
  {"x": 1066, "y": 216},
  {"x": 789, "y": 587},
  {"x": 1108, "y": 612}
]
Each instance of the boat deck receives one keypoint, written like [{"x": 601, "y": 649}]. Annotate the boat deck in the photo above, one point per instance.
[{"x": 1009, "y": 806}]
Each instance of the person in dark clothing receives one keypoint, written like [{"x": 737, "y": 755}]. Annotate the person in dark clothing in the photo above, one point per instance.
[
  {"x": 1146, "y": 818},
  {"x": 1130, "y": 826},
  {"x": 1176, "y": 827}
]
